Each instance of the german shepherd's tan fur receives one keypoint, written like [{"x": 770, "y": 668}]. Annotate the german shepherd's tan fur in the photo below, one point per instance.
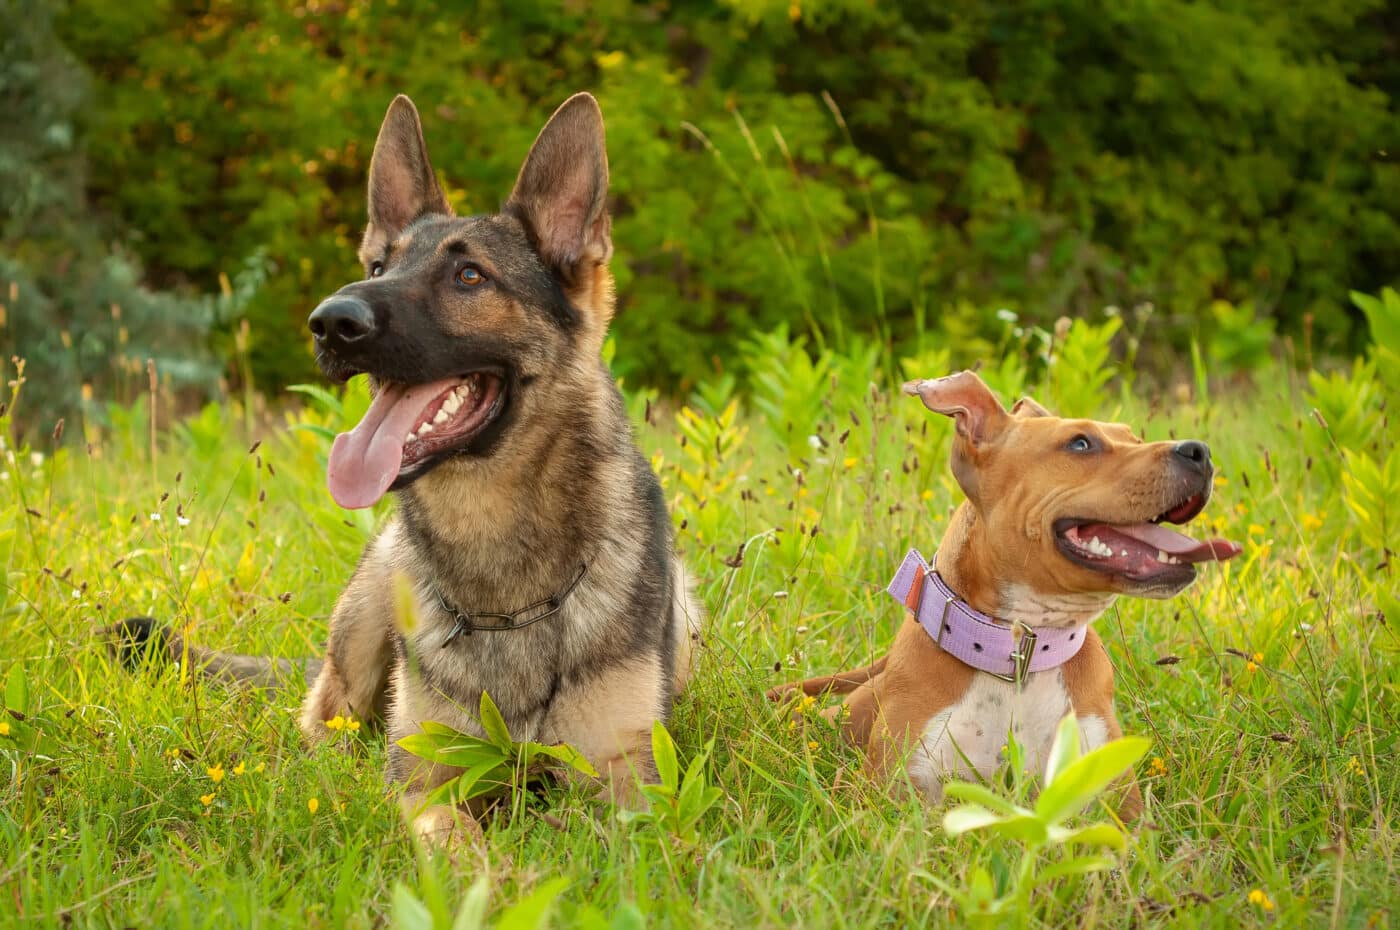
[{"x": 554, "y": 482}]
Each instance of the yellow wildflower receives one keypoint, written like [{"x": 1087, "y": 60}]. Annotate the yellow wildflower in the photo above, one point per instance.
[
  {"x": 239, "y": 769},
  {"x": 258, "y": 769},
  {"x": 802, "y": 492},
  {"x": 1251, "y": 667},
  {"x": 216, "y": 774},
  {"x": 4, "y": 728},
  {"x": 850, "y": 461},
  {"x": 812, "y": 744},
  {"x": 352, "y": 725},
  {"x": 927, "y": 495},
  {"x": 207, "y": 799},
  {"x": 1158, "y": 767},
  {"x": 807, "y": 704},
  {"x": 1256, "y": 530},
  {"x": 1260, "y": 900},
  {"x": 313, "y": 805},
  {"x": 173, "y": 752},
  {"x": 1355, "y": 767},
  {"x": 336, "y": 723},
  {"x": 1259, "y": 657},
  {"x": 1311, "y": 522},
  {"x": 1221, "y": 481}
]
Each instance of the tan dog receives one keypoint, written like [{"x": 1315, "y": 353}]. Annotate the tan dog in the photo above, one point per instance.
[{"x": 1061, "y": 517}]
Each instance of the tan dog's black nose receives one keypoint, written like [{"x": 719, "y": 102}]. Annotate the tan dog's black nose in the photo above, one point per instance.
[{"x": 1195, "y": 455}]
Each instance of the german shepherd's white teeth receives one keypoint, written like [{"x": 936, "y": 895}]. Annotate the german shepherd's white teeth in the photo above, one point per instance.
[
  {"x": 410, "y": 437},
  {"x": 442, "y": 415},
  {"x": 425, "y": 429},
  {"x": 451, "y": 405}
]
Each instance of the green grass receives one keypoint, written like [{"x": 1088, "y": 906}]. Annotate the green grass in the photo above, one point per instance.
[{"x": 1269, "y": 689}]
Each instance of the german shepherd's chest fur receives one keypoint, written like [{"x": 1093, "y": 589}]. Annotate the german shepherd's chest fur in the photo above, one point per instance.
[{"x": 587, "y": 508}]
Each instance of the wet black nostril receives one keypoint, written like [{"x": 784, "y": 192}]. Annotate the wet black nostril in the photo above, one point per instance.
[
  {"x": 1194, "y": 451},
  {"x": 342, "y": 320}
]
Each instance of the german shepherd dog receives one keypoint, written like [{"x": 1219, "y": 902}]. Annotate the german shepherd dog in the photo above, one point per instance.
[{"x": 530, "y": 530}]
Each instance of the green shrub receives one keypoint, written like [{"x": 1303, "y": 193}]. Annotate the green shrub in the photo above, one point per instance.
[
  {"x": 72, "y": 306},
  {"x": 1050, "y": 159}
]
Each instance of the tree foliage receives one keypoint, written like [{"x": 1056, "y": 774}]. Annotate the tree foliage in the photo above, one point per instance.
[{"x": 1050, "y": 157}]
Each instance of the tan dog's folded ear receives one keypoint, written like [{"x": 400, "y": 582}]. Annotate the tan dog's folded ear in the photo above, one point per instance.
[
  {"x": 975, "y": 410},
  {"x": 1027, "y": 407}
]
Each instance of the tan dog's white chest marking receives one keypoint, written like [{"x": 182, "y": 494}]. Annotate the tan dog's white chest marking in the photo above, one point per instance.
[{"x": 969, "y": 738}]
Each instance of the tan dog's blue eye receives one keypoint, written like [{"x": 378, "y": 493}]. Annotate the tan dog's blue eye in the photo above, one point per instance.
[
  {"x": 470, "y": 277},
  {"x": 1080, "y": 444},
  {"x": 376, "y": 269}
]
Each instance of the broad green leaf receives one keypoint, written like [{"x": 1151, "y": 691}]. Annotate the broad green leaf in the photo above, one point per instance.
[
  {"x": 663, "y": 751},
  {"x": 409, "y": 912},
  {"x": 433, "y": 728},
  {"x": 1099, "y": 834},
  {"x": 1065, "y": 748},
  {"x": 421, "y": 745},
  {"x": 493, "y": 723},
  {"x": 1086, "y": 777},
  {"x": 980, "y": 794},
  {"x": 533, "y": 912},
  {"x": 482, "y": 779},
  {"x": 567, "y": 755},
  {"x": 471, "y": 915},
  {"x": 17, "y": 689},
  {"x": 967, "y": 817},
  {"x": 1080, "y": 865}
]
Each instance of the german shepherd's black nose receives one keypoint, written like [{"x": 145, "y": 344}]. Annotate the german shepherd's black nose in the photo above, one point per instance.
[
  {"x": 1195, "y": 455},
  {"x": 342, "y": 321}
]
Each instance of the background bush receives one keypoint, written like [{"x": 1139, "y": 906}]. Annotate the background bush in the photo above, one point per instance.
[{"x": 1050, "y": 158}]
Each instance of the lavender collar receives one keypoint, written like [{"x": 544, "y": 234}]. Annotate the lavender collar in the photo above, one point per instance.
[{"x": 973, "y": 638}]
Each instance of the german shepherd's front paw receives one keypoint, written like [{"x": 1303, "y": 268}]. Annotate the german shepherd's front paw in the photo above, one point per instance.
[{"x": 444, "y": 827}]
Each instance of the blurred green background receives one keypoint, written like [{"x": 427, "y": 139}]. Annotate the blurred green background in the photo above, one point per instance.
[{"x": 184, "y": 180}]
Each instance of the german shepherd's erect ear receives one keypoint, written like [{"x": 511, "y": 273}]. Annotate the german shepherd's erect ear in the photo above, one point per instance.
[
  {"x": 402, "y": 186},
  {"x": 562, "y": 192}
]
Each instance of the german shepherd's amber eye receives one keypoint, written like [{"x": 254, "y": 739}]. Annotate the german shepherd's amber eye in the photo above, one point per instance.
[
  {"x": 376, "y": 269},
  {"x": 470, "y": 276}
]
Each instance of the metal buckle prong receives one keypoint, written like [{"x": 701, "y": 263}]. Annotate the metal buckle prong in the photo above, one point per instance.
[{"x": 1020, "y": 658}]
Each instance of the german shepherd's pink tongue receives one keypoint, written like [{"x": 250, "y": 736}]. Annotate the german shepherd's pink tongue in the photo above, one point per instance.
[{"x": 366, "y": 460}]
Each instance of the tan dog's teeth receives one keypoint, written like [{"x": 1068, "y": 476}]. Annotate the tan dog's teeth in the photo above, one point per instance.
[
  {"x": 1162, "y": 556},
  {"x": 1099, "y": 548},
  {"x": 410, "y": 437},
  {"x": 425, "y": 429}
]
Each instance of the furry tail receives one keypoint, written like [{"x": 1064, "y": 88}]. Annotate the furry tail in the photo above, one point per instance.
[
  {"x": 138, "y": 640},
  {"x": 840, "y": 683}
]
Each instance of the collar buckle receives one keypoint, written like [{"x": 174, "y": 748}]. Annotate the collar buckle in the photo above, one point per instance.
[{"x": 1020, "y": 657}]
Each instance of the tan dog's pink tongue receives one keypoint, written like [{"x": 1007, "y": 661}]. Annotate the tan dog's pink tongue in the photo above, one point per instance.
[
  {"x": 366, "y": 460},
  {"x": 1168, "y": 540}
]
